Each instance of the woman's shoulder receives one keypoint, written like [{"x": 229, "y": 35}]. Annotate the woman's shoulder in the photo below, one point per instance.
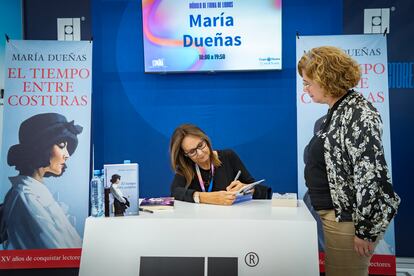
[
  {"x": 357, "y": 108},
  {"x": 228, "y": 156},
  {"x": 26, "y": 187},
  {"x": 359, "y": 114},
  {"x": 358, "y": 101},
  {"x": 226, "y": 153},
  {"x": 24, "y": 199}
]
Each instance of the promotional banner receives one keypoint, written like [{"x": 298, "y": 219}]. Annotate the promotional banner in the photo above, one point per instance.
[
  {"x": 370, "y": 51},
  {"x": 45, "y": 154},
  {"x": 10, "y": 24}
]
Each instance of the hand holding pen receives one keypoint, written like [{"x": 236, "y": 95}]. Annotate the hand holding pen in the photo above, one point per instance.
[
  {"x": 235, "y": 185},
  {"x": 237, "y": 175}
]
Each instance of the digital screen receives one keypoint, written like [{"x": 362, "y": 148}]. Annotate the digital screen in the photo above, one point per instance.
[{"x": 206, "y": 35}]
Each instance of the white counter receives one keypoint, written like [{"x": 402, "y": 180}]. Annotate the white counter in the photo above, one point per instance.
[{"x": 283, "y": 240}]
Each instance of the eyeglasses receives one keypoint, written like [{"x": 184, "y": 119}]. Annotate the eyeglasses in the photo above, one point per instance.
[
  {"x": 306, "y": 85},
  {"x": 194, "y": 152}
]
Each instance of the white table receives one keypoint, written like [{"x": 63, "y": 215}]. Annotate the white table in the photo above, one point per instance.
[{"x": 283, "y": 240}]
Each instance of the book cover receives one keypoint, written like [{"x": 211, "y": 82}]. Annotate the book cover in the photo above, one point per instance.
[
  {"x": 243, "y": 198},
  {"x": 157, "y": 203},
  {"x": 122, "y": 180}
]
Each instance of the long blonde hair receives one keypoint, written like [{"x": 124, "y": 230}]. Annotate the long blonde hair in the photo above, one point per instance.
[{"x": 180, "y": 163}]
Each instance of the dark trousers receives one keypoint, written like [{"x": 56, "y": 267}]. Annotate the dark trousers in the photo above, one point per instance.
[{"x": 119, "y": 207}]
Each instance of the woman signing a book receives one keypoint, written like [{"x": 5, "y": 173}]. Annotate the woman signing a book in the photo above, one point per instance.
[{"x": 204, "y": 175}]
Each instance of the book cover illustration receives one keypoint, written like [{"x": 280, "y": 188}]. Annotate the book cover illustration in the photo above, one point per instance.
[
  {"x": 157, "y": 203},
  {"x": 122, "y": 182}
]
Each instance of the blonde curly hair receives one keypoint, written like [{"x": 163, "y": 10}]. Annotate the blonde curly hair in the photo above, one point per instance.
[{"x": 330, "y": 67}]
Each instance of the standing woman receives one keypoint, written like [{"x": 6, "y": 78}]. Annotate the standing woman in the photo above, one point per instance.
[
  {"x": 346, "y": 173},
  {"x": 32, "y": 219},
  {"x": 204, "y": 175},
  {"x": 121, "y": 203}
]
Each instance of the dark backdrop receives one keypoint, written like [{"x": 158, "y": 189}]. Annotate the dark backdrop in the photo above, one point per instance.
[{"x": 400, "y": 67}]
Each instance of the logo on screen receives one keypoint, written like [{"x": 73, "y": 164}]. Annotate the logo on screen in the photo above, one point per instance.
[
  {"x": 269, "y": 60},
  {"x": 158, "y": 62},
  {"x": 68, "y": 29},
  {"x": 376, "y": 21}
]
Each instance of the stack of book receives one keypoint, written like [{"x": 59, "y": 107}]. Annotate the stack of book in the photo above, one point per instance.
[{"x": 285, "y": 200}]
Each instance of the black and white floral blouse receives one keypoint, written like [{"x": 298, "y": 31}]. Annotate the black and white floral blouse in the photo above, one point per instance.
[{"x": 357, "y": 172}]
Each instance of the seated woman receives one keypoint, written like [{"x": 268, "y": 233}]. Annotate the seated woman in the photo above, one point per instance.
[{"x": 204, "y": 175}]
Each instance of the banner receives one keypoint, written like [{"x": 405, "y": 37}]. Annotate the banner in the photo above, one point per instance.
[
  {"x": 370, "y": 51},
  {"x": 10, "y": 24},
  {"x": 45, "y": 154}
]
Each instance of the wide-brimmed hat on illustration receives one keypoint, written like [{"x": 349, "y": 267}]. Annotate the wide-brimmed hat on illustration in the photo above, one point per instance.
[{"x": 40, "y": 132}]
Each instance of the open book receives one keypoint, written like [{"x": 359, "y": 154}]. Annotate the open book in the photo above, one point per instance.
[
  {"x": 248, "y": 188},
  {"x": 246, "y": 193}
]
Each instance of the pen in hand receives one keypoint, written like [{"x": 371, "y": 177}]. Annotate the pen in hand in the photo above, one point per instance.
[
  {"x": 237, "y": 175},
  {"x": 233, "y": 185}
]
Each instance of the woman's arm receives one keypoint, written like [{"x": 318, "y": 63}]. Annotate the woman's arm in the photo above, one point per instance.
[
  {"x": 376, "y": 203},
  {"x": 179, "y": 190},
  {"x": 117, "y": 194},
  {"x": 218, "y": 198}
]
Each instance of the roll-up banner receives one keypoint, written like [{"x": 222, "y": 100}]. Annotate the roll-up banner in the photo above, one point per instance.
[
  {"x": 44, "y": 166},
  {"x": 370, "y": 51},
  {"x": 11, "y": 25}
]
